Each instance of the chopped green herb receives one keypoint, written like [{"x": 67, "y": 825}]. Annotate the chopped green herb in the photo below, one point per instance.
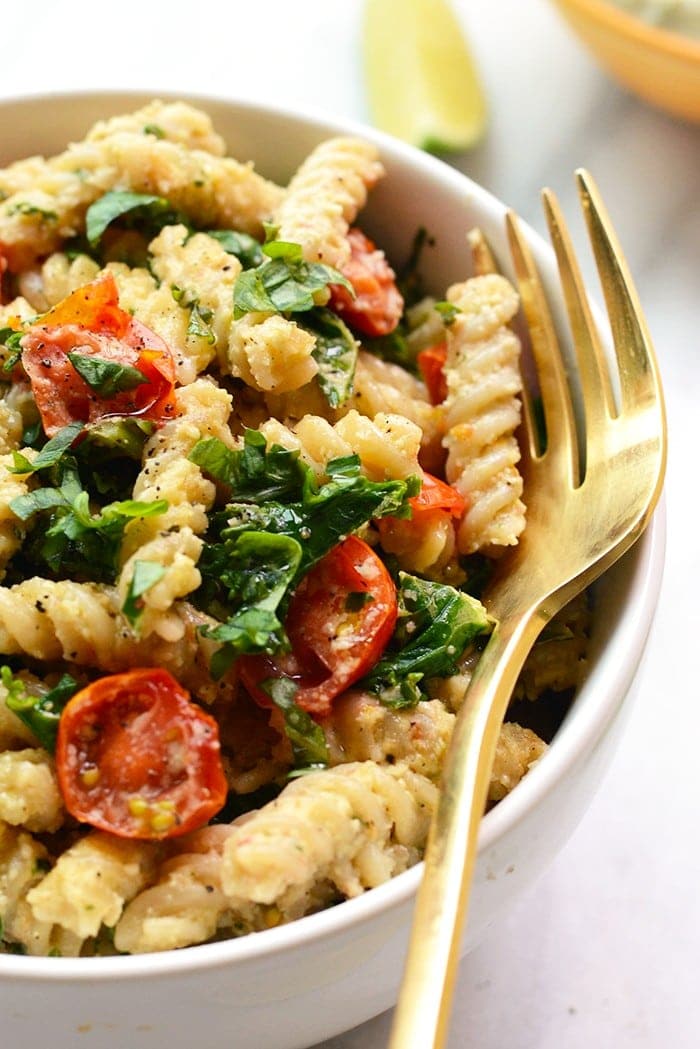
[
  {"x": 24, "y": 207},
  {"x": 107, "y": 378},
  {"x": 145, "y": 575},
  {"x": 71, "y": 542},
  {"x": 136, "y": 210},
  {"x": 436, "y": 624},
  {"x": 284, "y": 282},
  {"x": 153, "y": 129},
  {"x": 10, "y": 340},
  {"x": 52, "y": 452},
  {"x": 335, "y": 353},
  {"x": 41, "y": 713},
  {"x": 306, "y": 736},
  {"x": 448, "y": 311},
  {"x": 200, "y": 316},
  {"x": 247, "y": 249}
]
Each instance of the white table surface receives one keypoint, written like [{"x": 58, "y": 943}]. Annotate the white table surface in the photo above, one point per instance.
[{"x": 603, "y": 951}]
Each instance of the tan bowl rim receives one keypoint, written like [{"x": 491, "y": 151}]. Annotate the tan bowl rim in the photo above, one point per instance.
[{"x": 625, "y": 24}]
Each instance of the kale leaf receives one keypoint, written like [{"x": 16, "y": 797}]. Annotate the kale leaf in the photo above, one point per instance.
[{"x": 436, "y": 624}]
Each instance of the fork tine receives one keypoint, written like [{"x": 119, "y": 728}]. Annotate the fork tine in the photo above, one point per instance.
[
  {"x": 639, "y": 380},
  {"x": 551, "y": 376},
  {"x": 596, "y": 390}
]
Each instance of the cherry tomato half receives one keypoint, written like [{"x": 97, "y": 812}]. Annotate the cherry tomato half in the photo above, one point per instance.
[
  {"x": 136, "y": 758},
  {"x": 433, "y": 508},
  {"x": 378, "y": 305},
  {"x": 90, "y": 322},
  {"x": 437, "y": 495},
  {"x": 431, "y": 362},
  {"x": 340, "y": 620}
]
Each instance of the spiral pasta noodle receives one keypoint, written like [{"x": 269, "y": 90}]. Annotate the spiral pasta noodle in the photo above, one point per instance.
[
  {"x": 325, "y": 195},
  {"x": 354, "y": 826},
  {"x": 91, "y": 881},
  {"x": 482, "y": 411}
]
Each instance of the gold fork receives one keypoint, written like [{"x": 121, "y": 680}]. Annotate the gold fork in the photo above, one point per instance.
[{"x": 589, "y": 498}]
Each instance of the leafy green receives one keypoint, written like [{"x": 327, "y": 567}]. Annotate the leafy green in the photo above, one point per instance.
[
  {"x": 153, "y": 129},
  {"x": 281, "y": 524},
  {"x": 41, "y": 713},
  {"x": 106, "y": 378},
  {"x": 10, "y": 340},
  {"x": 52, "y": 452},
  {"x": 284, "y": 282},
  {"x": 24, "y": 207},
  {"x": 436, "y": 624},
  {"x": 141, "y": 210},
  {"x": 145, "y": 575},
  {"x": 306, "y": 736},
  {"x": 335, "y": 353},
  {"x": 198, "y": 325},
  {"x": 448, "y": 311},
  {"x": 325, "y": 515},
  {"x": 253, "y": 473},
  {"x": 71, "y": 542},
  {"x": 247, "y": 249},
  {"x": 247, "y": 577}
]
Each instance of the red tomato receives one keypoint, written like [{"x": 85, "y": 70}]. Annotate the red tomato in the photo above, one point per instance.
[
  {"x": 434, "y": 506},
  {"x": 90, "y": 322},
  {"x": 437, "y": 495},
  {"x": 432, "y": 364},
  {"x": 377, "y": 306},
  {"x": 136, "y": 758},
  {"x": 339, "y": 622}
]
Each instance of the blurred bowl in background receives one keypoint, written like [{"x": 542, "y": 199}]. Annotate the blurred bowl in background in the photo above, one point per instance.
[{"x": 660, "y": 66}]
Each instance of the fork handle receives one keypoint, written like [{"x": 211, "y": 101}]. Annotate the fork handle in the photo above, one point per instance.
[{"x": 421, "y": 1019}]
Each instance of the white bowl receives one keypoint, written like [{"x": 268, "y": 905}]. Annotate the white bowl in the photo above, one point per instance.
[{"x": 292, "y": 986}]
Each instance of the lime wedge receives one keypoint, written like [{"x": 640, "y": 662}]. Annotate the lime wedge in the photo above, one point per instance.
[{"x": 421, "y": 81}]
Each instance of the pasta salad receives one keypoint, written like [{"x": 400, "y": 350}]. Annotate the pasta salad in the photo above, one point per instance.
[{"x": 252, "y": 482}]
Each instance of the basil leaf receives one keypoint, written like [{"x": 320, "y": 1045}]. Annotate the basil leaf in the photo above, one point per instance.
[
  {"x": 11, "y": 339},
  {"x": 198, "y": 325},
  {"x": 308, "y": 739},
  {"x": 283, "y": 284},
  {"x": 249, "y": 577},
  {"x": 252, "y": 472},
  {"x": 335, "y": 353},
  {"x": 448, "y": 311},
  {"x": 40, "y": 714},
  {"x": 145, "y": 575},
  {"x": 436, "y": 624},
  {"x": 107, "y": 378},
  {"x": 247, "y": 249},
  {"x": 25, "y": 506},
  {"x": 141, "y": 209},
  {"x": 52, "y": 452}
]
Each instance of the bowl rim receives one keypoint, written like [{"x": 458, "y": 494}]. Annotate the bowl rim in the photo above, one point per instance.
[
  {"x": 578, "y": 735},
  {"x": 628, "y": 24}
]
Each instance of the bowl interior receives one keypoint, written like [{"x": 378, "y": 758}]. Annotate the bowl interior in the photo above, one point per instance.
[{"x": 419, "y": 191}]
